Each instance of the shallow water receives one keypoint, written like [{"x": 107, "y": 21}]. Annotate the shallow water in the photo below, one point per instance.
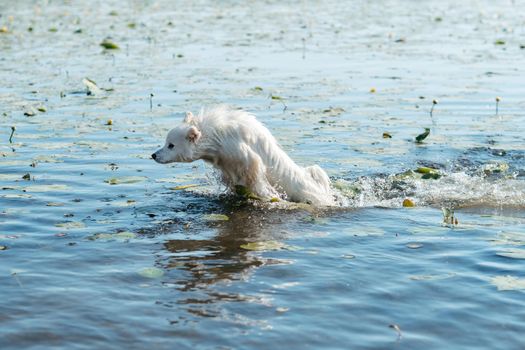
[{"x": 102, "y": 250}]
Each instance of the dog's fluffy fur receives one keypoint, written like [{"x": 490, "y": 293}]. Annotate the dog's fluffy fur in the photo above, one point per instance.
[{"x": 246, "y": 154}]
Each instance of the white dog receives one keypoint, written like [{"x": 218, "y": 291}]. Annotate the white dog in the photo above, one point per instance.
[{"x": 246, "y": 154}]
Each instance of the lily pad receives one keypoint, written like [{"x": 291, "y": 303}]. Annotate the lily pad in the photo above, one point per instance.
[
  {"x": 264, "y": 246},
  {"x": 216, "y": 217},
  {"x": 46, "y": 188},
  {"x": 414, "y": 245},
  {"x": 125, "y": 235},
  {"x": 408, "y": 203},
  {"x": 109, "y": 45},
  {"x": 508, "y": 283},
  {"x": 183, "y": 187},
  {"x": 16, "y": 195},
  {"x": 125, "y": 180},
  {"x": 151, "y": 272},
  {"x": 70, "y": 225}
]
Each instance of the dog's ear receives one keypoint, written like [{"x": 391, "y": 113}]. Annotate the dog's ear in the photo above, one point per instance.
[
  {"x": 193, "y": 135},
  {"x": 188, "y": 118}
]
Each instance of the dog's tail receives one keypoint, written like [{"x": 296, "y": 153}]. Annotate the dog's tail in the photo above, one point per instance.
[{"x": 319, "y": 176}]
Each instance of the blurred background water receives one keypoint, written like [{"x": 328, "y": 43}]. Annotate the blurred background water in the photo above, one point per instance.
[{"x": 103, "y": 248}]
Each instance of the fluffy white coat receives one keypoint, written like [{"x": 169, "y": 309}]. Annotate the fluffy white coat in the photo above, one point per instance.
[{"x": 246, "y": 154}]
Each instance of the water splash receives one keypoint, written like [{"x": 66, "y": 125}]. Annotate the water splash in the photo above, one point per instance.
[{"x": 452, "y": 189}]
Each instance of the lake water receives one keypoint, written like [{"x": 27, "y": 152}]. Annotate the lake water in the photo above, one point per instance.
[{"x": 103, "y": 248}]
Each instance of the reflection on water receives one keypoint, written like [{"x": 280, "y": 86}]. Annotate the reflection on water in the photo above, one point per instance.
[{"x": 199, "y": 267}]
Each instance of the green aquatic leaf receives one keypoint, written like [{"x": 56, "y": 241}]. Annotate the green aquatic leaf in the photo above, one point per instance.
[
  {"x": 68, "y": 225},
  {"x": 109, "y": 45},
  {"x": 425, "y": 170},
  {"x": 508, "y": 282},
  {"x": 408, "y": 203},
  {"x": 183, "y": 187},
  {"x": 16, "y": 195},
  {"x": 265, "y": 246},
  {"x": 125, "y": 180},
  {"x": 124, "y": 235},
  {"x": 3, "y": 247},
  {"x": 499, "y": 42},
  {"x": 151, "y": 272},
  {"x": 421, "y": 137},
  {"x": 46, "y": 188},
  {"x": 215, "y": 217}
]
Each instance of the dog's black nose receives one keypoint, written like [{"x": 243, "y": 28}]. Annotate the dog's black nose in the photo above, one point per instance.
[{"x": 154, "y": 156}]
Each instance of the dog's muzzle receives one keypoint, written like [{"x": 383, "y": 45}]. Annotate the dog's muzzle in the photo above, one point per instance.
[{"x": 154, "y": 156}]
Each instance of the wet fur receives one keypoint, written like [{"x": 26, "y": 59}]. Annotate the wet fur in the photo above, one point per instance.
[{"x": 246, "y": 154}]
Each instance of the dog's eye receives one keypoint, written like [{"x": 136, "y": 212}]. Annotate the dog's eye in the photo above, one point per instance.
[{"x": 170, "y": 146}]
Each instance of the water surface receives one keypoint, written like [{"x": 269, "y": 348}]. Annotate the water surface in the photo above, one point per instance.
[{"x": 103, "y": 250}]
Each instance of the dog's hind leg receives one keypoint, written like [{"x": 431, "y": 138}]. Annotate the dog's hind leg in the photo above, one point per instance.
[{"x": 254, "y": 176}]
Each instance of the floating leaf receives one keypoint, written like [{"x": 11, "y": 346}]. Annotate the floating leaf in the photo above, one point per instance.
[
  {"x": 125, "y": 180},
  {"x": 275, "y": 97},
  {"x": 425, "y": 170},
  {"x": 16, "y": 195},
  {"x": 499, "y": 42},
  {"x": 70, "y": 225},
  {"x": 408, "y": 203},
  {"x": 125, "y": 235},
  {"x": 216, "y": 217},
  {"x": 414, "y": 245},
  {"x": 27, "y": 177},
  {"x": 508, "y": 283},
  {"x": 109, "y": 45},
  {"x": 334, "y": 111},
  {"x": 387, "y": 135},
  {"x": 183, "y": 187},
  {"x": 264, "y": 246},
  {"x": 46, "y": 188},
  {"x": 257, "y": 88},
  {"x": 41, "y": 109},
  {"x": 512, "y": 253},
  {"x": 151, "y": 272},
  {"x": 3, "y": 247},
  {"x": 421, "y": 137}
]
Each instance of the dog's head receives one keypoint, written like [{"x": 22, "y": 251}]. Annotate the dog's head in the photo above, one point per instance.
[{"x": 180, "y": 143}]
